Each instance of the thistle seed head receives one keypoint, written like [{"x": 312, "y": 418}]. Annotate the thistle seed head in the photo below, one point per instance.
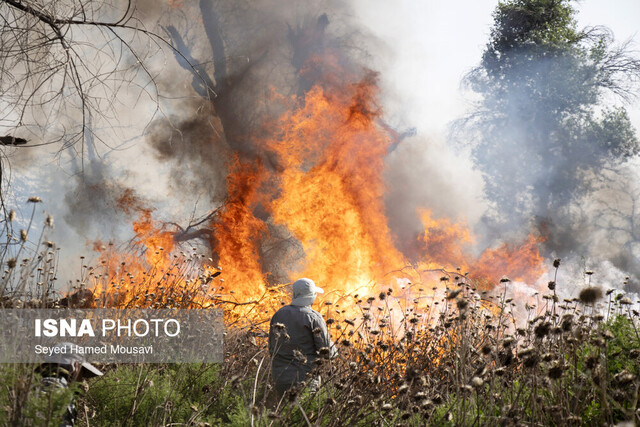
[
  {"x": 590, "y": 295},
  {"x": 542, "y": 330},
  {"x": 299, "y": 356},
  {"x": 477, "y": 382},
  {"x": 462, "y": 304}
]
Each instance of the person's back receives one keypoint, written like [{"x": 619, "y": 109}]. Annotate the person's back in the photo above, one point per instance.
[
  {"x": 293, "y": 343},
  {"x": 298, "y": 336}
]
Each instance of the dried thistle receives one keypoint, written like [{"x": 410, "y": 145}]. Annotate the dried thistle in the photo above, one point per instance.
[
  {"x": 462, "y": 303},
  {"x": 477, "y": 382},
  {"x": 453, "y": 294},
  {"x": 542, "y": 330},
  {"x": 299, "y": 356},
  {"x": 466, "y": 388},
  {"x": 508, "y": 341},
  {"x": 606, "y": 334},
  {"x": 624, "y": 378},
  {"x": 254, "y": 410},
  {"x": 591, "y": 362},
  {"x": 590, "y": 295},
  {"x": 530, "y": 361},
  {"x": 526, "y": 351},
  {"x": 626, "y": 301}
]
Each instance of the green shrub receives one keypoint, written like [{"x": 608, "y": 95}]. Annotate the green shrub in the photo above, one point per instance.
[{"x": 162, "y": 394}]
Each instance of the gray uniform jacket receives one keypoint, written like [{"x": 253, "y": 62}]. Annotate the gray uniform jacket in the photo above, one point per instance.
[{"x": 299, "y": 324}]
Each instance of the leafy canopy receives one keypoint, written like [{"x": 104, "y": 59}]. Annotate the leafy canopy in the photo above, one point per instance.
[{"x": 542, "y": 120}]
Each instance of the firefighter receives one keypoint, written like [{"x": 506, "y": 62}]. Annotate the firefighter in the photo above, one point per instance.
[
  {"x": 298, "y": 337},
  {"x": 59, "y": 370}
]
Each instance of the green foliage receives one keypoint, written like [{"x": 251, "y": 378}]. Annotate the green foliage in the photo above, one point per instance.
[
  {"x": 625, "y": 339},
  {"x": 534, "y": 54},
  {"x": 157, "y": 395},
  {"x": 48, "y": 406},
  {"x": 615, "y": 134},
  {"x": 542, "y": 120},
  {"x": 24, "y": 401}
]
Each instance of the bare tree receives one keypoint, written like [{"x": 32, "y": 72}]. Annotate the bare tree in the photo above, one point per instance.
[
  {"x": 67, "y": 69},
  {"x": 64, "y": 62}
]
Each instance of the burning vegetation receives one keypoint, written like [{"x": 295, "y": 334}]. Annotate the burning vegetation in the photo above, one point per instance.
[
  {"x": 428, "y": 329},
  {"x": 310, "y": 204}
]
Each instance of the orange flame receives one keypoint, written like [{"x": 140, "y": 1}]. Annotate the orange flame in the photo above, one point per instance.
[
  {"x": 329, "y": 151},
  {"x": 237, "y": 232},
  {"x": 332, "y": 191}
]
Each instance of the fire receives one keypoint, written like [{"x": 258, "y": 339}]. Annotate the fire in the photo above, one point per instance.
[
  {"x": 327, "y": 190},
  {"x": 443, "y": 242},
  {"x": 446, "y": 243},
  {"x": 332, "y": 191},
  {"x": 237, "y": 232},
  {"x": 521, "y": 262}
]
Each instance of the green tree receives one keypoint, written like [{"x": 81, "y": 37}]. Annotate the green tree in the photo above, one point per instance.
[{"x": 542, "y": 125}]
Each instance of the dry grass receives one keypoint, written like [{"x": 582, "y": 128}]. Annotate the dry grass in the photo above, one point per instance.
[{"x": 461, "y": 358}]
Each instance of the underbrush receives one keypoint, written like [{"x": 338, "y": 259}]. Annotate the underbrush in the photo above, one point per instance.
[
  {"x": 466, "y": 369},
  {"x": 460, "y": 358},
  {"x": 466, "y": 366}
]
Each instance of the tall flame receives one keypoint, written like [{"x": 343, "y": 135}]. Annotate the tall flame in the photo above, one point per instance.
[
  {"x": 332, "y": 190},
  {"x": 327, "y": 189},
  {"x": 237, "y": 232}
]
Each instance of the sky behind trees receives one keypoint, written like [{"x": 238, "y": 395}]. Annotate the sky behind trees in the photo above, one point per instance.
[{"x": 433, "y": 44}]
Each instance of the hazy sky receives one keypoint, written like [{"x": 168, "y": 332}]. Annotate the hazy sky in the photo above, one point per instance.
[{"x": 436, "y": 42}]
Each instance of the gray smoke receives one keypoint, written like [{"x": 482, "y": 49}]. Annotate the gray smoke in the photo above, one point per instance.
[
  {"x": 217, "y": 92},
  {"x": 173, "y": 156},
  {"x": 557, "y": 157}
]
